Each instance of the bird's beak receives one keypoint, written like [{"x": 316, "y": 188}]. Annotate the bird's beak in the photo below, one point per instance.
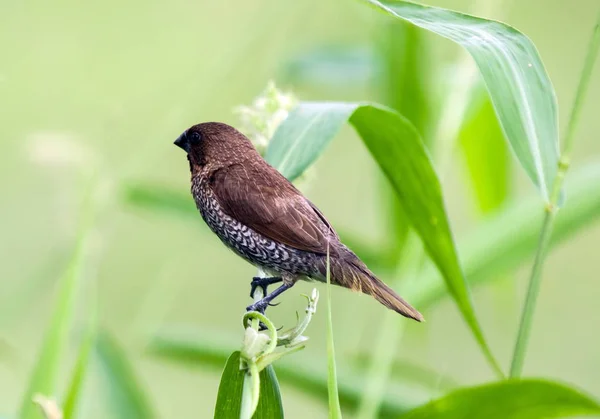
[{"x": 182, "y": 142}]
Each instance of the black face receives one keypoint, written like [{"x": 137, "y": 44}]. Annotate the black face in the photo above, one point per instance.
[{"x": 188, "y": 139}]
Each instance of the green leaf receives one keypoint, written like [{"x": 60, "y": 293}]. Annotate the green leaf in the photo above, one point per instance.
[
  {"x": 515, "y": 77},
  {"x": 335, "y": 411},
  {"x": 401, "y": 155},
  {"x": 303, "y": 136},
  {"x": 402, "y": 83},
  {"x": 510, "y": 399},
  {"x": 125, "y": 397},
  {"x": 405, "y": 73},
  {"x": 229, "y": 397},
  {"x": 159, "y": 198},
  {"x": 193, "y": 349},
  {"x": 502, "y": 243},
  {"x": 82, "y": 364},
  {"x": 46, "y": 371},
  {"x": 486, "y": 153}
]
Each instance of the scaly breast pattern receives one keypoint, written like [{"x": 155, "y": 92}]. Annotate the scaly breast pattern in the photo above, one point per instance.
[{"x": 259, "y": 250}]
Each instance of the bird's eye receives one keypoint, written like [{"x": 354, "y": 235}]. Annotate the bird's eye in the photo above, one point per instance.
[{"x": 195, "y": 137}]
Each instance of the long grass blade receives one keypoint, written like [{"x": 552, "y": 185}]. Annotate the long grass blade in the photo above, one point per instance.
[
  {"x": 45, "y": 375},
  {"x": 335, "y": 411}
]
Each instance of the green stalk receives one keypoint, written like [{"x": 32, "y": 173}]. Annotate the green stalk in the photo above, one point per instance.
[
  {"x": 552, "y": 209},
  {"x": 387, "y": 342},
  {"x": 335, "y": 411},
  {"x": 46, "y": 372}
]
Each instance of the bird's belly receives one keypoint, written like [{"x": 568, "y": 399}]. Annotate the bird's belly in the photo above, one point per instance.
[{"x": 256, "y": 248}]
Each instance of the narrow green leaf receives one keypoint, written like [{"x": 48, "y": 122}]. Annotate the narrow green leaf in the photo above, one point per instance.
[
  {"x": 515, "y": 77},
  {"x": 46, "y": 371},
  {"x": 335, "y": 411},
  {"x": 125, "y": 397},
  {"x": 502, "y": 243},
  {"x": 401, "y": 155},
  {"x": 159, "y": 198},
  {"x": 510, "y": 399},
  {"x": 303, "y": 136},
  {"x": 403, "y": 53},
  {"x": 229, "y": 397},
  {"x": 404, "y": 79},
  {"x": 486, "y": 153},
  {"x": 86, "y": 347}
]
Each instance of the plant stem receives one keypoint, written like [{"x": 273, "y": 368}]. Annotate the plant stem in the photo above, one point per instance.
[
  {"x": 335, "y": 411},
  {"x": 592, "y": 53},
  {"x": 532, "y": 293},
  {"x": 551, "y": 209},
  {"x": 387, "y": 341}
]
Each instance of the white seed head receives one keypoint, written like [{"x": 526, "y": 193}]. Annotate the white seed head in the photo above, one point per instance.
[{"x": 260, "y": 120}]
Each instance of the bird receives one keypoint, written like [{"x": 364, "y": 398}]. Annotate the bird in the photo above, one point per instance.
[{"x": 260, "y": 215}]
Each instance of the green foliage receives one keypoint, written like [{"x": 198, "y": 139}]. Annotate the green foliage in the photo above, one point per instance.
[
  {"x": 82, "y": 366},
  {"x": 198, "y": 348},
  {"x": 161, "y": 198},
  {"x": 535, "y": 278},
  {"x": 514, "y": 75},
  {"x": 502, "y": 243},
  {"x": 511, "y": 399},
  {"x": 498, "y": 245},
  {"x": 303, "y": 136},
  {"x": 521, "y": 106},
  {"x": 486, "y": 154},
  {"x": 335, "y": 411},
  {"x": 401, "y": 155},
  {"x": 229, "y": 397},
  {"x": 123, "y": 395},
  {"x": 404, "y": 75},
  {"x": 46, "y": 372}
]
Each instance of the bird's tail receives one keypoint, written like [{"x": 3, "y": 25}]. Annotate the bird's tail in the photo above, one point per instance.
[{"x": 356, "y": 276}]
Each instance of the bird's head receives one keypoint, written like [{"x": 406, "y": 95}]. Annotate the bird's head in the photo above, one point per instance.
[{"x": 214, "y": 143}]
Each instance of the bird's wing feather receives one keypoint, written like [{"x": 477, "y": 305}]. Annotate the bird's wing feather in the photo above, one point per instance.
[{"x": 279, "y": 213}]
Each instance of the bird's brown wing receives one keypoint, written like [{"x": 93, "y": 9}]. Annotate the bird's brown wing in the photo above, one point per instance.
[{"x": 266, "y": 202}]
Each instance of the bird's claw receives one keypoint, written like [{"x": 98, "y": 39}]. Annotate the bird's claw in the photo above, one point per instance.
[
  {"x": 254, "y": 285},
  {"x": 263, "y": 283}
]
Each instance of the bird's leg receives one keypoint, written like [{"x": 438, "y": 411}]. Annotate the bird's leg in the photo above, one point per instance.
[
  {"x": 258, "y": 281},
  {"x": 261, "y": 305}
]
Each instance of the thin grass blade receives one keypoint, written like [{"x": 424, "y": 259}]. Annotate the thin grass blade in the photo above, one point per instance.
[
  {"x": 335, "y": 411},
  {"x": 124, "y": 395},
  {"x": 46, "y": 372}
]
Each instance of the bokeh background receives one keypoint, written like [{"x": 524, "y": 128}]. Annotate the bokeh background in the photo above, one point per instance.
[{"x": 108, "y": 86}]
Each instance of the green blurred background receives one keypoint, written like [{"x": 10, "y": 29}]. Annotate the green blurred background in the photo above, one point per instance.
[{"x": 110, "y": 85}]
